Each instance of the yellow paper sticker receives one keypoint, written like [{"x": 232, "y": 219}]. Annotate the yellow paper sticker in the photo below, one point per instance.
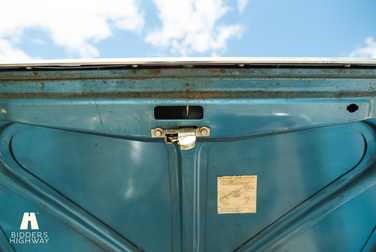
[{"x": 237, "y": 194}]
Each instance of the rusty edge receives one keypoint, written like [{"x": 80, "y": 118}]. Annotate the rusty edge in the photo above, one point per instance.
[
  {"x": 188, "y": 94},
  {"x": 216, "y": 73}
]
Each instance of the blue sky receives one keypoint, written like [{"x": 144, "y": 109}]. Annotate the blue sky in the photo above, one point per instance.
[{"x": 44, "y": 29}]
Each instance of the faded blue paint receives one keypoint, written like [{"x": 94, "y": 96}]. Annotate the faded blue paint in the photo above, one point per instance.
[{"x": 89, "y": 167}]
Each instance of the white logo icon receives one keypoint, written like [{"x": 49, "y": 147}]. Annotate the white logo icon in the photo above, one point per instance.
[{"x": 29, "y": 217}]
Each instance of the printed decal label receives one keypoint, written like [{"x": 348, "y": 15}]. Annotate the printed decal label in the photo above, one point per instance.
[{"x": 237, "y": 194}]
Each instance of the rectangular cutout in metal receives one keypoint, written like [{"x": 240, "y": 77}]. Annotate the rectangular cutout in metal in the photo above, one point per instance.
[{"x": 178, "y": 112}]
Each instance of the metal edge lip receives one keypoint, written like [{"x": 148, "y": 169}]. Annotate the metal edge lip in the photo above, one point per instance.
[{"x": 179, "y": 61}]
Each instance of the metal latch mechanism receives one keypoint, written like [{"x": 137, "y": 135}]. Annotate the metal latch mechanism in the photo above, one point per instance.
[{"x": 185, "y": 138}]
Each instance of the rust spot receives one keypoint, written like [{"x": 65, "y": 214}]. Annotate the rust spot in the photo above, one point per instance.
[
  {"x": 154, "y": 71},
  {"x": 97, "y": 244},
  {"x": 19, "y": 196},
  {"x": 35, "y": 72},
  {"x": 222, "y": 70},
  {"x": 278, "y": 84},
  {"x": 237, "y": 224},
  {"x": 139, "y": 248},
  {"x": 212, "y": 193},
  {"x": 341, "y": 196},
  {"x": 272, "y": 132},
  {"x": 186, "y": 84},
  {"x": 223, "y": 149},
  {"x": 95, "y": 144},
  {"x": 110, "y": 111},
  {"x": 43, "y": 205},
  {"x": 42, "y": 83}
]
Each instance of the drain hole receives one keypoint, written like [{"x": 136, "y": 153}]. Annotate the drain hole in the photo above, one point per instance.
[
  {"x": 178, "y": 112},
  {"x": 352, "y": 108}
]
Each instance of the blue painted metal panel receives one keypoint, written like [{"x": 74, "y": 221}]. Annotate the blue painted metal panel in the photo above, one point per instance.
[
  {"x": 76, "y": 150},
  {"x": 371, "y": 242},
  {"x": 284, "y": 180},
  {"x": 110, "y": 178},
  {"x": 351, "y": 224},
  {"x": 48, "y": 237}
]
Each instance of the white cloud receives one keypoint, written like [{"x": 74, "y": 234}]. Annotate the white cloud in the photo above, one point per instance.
[
  {"x": 241, "y": 5},
  {"x": 367, "y": 51},
  {"x": 9, "y": 53},
  {"x": 38, "y": 41},
  {"x": 190, "y": 26},
  {"x": 72, "y": 24}
]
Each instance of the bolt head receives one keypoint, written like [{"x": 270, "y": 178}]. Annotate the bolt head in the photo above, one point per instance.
[
  {"x": 204, "y": 131},
  {"x": 158, "y": 133}
]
